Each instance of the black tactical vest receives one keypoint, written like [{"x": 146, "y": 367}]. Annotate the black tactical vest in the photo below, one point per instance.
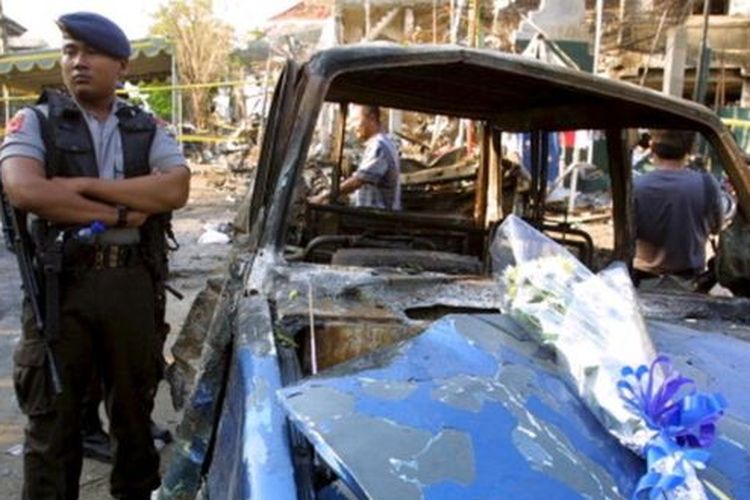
[
  {"x": 70, "y": 153},
  {"x": 70, "y": 148}
]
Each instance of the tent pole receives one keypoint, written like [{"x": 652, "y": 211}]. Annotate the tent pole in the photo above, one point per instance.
[
  {"x": 173, "y": 79},
  {"x": 6, "y": 99},
  {"x": 176, "y": 96}
]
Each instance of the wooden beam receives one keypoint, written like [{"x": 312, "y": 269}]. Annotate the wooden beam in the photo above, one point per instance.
[
  {"x": 382, "y": 24},
  {"x": 539, "y": 168},
  {"x": 466, "y": 169},
  {"x": 495, "y": 184},
  {"x": 340, "y": 142},
  {"x": 620, "y": 172},
  {"x": 480, "y": 194}
]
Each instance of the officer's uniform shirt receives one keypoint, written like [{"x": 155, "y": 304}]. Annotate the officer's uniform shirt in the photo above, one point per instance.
[{"x": 23, "y": 138}]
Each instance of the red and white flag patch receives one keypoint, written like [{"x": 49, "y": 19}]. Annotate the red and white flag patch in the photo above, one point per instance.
[{"x": 15, "y": 124}]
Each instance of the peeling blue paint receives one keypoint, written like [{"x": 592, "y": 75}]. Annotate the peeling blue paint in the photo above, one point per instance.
[
  {"x": 471, "y": 408},
  {"x": 252, "y": 456},
  {"x": 377, "y": 445}
]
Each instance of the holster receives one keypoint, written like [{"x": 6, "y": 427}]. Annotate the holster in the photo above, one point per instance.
[{"x": 49, "y": 250}]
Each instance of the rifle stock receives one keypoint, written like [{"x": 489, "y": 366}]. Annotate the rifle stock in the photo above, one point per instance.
[
  {"x": 5, "y": 219},
  {"x": 24, "y": 250}
]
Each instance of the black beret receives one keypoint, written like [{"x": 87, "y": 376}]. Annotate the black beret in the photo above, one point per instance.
[{"x": 97, "y": 32}]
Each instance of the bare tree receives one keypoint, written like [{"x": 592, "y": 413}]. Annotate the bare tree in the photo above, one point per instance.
[{"x": 202, "y": 45}]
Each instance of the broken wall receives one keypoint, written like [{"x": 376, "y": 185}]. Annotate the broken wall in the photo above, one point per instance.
[
  {"x": 739, "y": 7},
  {"x": 559, "y": 19}
]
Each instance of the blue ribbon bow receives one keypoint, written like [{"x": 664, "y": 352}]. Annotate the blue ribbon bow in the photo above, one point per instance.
[{"x": 684, "y": 419}]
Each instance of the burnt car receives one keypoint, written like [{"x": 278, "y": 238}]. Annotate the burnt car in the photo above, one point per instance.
[{"x": 315, "y": 381}]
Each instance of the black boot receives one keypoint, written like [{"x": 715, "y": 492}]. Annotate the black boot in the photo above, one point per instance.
[
  {"x": 95, "y": 441},
  {"x": 96, "y": 445},
  {"x": 160, "y": 433}
]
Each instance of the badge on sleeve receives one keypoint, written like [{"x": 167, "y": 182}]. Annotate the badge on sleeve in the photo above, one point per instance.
[
  {"x": 166, "y": 126},
  {"x": 16, "y": 123}
]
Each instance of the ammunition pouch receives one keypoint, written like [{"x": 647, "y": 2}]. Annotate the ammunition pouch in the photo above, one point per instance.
[{"x": 32, "y": 379}]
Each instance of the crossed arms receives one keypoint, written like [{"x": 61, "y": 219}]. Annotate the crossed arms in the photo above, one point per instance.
[{"x": 81, "y": 200}]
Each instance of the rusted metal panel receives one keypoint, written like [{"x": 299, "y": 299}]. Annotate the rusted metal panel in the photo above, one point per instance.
[
  {"x": 338, "y": 342},
  {"x": 465, "y": 169},
  {"x": 196, "y": 430}
]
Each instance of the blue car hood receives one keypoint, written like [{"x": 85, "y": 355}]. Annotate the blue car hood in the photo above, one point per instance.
[{"x": 473, "y": 408}]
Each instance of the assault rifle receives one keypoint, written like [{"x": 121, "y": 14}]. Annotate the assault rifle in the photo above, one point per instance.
[
  {"x": 5, "y": 216},
  {"x": 50, "y": 258}
]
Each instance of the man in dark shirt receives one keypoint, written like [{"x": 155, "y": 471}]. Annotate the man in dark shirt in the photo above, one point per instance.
[{"x": 676, "y": 209}]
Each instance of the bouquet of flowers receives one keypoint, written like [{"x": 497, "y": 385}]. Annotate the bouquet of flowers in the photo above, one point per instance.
[{"x": 603, "y": 349}]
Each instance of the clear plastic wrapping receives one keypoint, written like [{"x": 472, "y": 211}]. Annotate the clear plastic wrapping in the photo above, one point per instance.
[
  {"x": 591, "y": 321},
  {"x": 594, "y": 325}
]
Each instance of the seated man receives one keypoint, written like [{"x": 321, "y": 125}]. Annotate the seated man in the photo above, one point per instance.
[
  {"x": 676, "y": 208},
  {"x": 376, "y": 182}
]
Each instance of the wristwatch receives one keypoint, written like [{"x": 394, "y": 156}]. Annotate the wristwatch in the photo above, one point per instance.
[{"x": 122, "y": 216}]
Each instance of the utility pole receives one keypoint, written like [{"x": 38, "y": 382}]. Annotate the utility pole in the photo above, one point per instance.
[
  {"x": 434, "y": 21},
  {"x": 598, "y": 34},
  {"x": 473, "y": 22},
  {"x": 471, "y": 139},
  {"x": 704, "y": 63},
  {"x": 3, "y": 34},
  {"x": 3, "y": 49},
  {"x": 594, "y": 70},
  {"x": 368, "y": 19}
]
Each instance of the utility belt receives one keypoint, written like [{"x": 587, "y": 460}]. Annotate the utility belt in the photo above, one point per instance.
[
  {"x": 79, "y": 257},
  {"x": 83, "y": 250}
]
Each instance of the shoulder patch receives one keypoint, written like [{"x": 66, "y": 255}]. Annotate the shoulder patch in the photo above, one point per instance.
[
  {"x": 16, "y": 123},
  {"x": 167, "y": 127}
]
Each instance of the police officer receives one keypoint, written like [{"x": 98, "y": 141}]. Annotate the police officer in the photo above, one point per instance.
[{"x": 80, "y": 160}]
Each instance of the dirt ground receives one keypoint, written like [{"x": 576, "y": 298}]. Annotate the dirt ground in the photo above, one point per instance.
[{"x": 213, "y": 197}]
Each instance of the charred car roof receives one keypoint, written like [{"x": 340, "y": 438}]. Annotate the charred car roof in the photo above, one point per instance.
[
  {"x": 514, "y": 92},
  {"x": 424, "y": 388}
]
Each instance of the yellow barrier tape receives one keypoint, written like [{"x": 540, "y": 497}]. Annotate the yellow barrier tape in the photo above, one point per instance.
[
  {"x": 20, "y": 98},
  {"x": 189, "y": 86},
  {"x": 205, "y": 138},
  {"x": 147, "y": 88},
  {"x": 186, "y": 138},
  {"x": 736, "y": 122}
]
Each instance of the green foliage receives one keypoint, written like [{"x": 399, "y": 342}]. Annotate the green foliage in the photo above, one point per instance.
[
  {"x": 160, "y": 102},
  {"x": 202, "y": 43}
]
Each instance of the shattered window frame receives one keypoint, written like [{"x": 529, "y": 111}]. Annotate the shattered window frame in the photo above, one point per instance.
[{"x": 325, "y": 73}]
